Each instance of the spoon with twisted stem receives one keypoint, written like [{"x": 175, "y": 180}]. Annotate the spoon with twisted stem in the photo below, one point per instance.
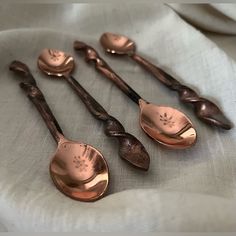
[
  {"x": 166, "y": 125},
  {"x": 77, "y": 169},
  {"x": 61, "y": 65},
  {"x": 205, "y": 110}
]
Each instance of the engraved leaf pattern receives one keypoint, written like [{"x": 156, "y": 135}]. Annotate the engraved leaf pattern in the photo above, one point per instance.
[
  {"x": 167, "y": 120},
  {"x": 80, "y": 163},
  {"x": 55, "y": 55}
]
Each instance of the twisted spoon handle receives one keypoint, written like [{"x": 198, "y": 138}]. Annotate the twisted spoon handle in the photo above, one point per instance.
[
  {"x": 92, "y": 55},
  {"x": 36, "y": 96},
  {"x": 130, "y": 149},
  {"x": 206, "y": 110}
]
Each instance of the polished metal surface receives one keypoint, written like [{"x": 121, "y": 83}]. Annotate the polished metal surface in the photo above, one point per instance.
[
  {"x": 205, "y": 110},
  {"x": 117, "y": 44},
  {"x": 56, "y": 63},
  {"x": 60, "y": 64},
  {"x": 78, "y": 170},
  {"x": 165, "y": 125},
  {"x": 168, "y": 126}
]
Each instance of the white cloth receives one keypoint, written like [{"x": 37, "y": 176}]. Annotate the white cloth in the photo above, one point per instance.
[
  {"x": 218, "y": 18},
  {"x": 188, "y": 190}
]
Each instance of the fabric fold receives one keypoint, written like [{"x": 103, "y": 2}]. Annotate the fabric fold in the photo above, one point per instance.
[
  {"x": 190, "y": 190},
  {"x": 217, "y": 18}
]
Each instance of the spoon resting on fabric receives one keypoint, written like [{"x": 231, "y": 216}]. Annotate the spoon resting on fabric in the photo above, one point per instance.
[
  {"x": 77, "y": 169},
  {"x": 61, "y": 65},
  {"x": 165, "y": 125},
  {"x": 205, "y": 110}
]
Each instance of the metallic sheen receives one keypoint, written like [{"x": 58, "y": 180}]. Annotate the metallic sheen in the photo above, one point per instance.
[
  {"x": 165, "y": 125},
  {"x": 130, "y": 148},
  {"x": 78, "y": 170},
  {"x": 168, "y": 126},
  {"x": 205, "y": 110}
]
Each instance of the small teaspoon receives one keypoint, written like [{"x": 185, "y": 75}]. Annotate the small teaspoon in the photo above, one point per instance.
[
  {"x": 166, "y": 125},
  {"x": 77, "y": 169},
  {"x": 61, "y": 65},
  {"x": 205, "y": 110}
]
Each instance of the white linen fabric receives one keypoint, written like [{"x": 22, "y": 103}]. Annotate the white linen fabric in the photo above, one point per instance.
[
  {"x": 218, "y": 18},
  {"x": 185, "y": 190}
]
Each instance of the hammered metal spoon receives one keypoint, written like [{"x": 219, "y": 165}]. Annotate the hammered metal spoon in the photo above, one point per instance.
[
  {"x": 166, "y": 125},
  {"x": 77, "y": 169},
  {"x": 205, "y": 110},
  {"x": 59, "y": 64}
]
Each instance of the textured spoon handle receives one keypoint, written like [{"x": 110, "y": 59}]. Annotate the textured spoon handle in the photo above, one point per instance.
[
  {"x": 36, "y": 96},
  {"x": 206, "y": 110},
  {"x": 93, "y": 106},
  {"x": 130, "y": 148},
  {"x": 92, "y": 55}
]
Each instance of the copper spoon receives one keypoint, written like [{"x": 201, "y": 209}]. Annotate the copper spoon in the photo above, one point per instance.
[
  {"x": 59, "y": 64},
  {"x": 166, "y": 125},
  {"x": 205, "y": 110},
  {"x": 78, "y": 170}
]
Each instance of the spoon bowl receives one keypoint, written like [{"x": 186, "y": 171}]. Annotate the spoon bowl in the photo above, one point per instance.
[
  {"x": 167, "y": 125},
  {"x": 60, "y": 64},
  {"x": 56, "y": 63},
  {"x": 117, "y": 44},
  {"x": 205, "y": 110},
  {"x": 79, "y": 171}
]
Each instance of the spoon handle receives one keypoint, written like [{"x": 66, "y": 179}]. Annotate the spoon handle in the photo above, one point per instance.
[
  {"x": 92, "y": 55},
  {"x": 129, "y": 145},
  {"x": 93, "y": 106},
  {"x": 205, "y": 110},
  {"x": 36, "y": 96}
]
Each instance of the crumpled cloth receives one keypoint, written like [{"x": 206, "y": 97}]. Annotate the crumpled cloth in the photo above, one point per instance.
[
  {"x": 217, "y": 18},
  {"x": 185, "y": 190}
]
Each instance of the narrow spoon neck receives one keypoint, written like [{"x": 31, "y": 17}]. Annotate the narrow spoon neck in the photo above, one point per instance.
[
  {"x": 138, "y": 58},
  {"x": 61, "y": 139},
  {"x": 66, "y": 75},
  {"x": 142, "y": 103}
]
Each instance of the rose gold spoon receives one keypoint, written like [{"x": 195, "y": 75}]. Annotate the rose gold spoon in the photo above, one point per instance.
[
  {"x": 78, "y": 170},
  {"x": 61, "y": 65},
  {"x": 205, "y": 110},
  {"x": 166, "y": 125}
]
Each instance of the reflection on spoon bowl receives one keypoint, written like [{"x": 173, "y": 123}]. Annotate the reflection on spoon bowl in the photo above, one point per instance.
[
  {"x": 117, "y": 44},
  {"x": 59, "y": 64},
  {"x": 79, "y": 171},
  {"x": 167, "y": 125},
  {"x": 205, "y": 110}
]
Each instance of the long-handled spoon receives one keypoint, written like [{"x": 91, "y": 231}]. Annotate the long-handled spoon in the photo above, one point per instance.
[
  {"x": 205, "y": 110},
  {"x": 78, "y": 170},
  {"x": 59, "y": 64},
  {"x": 166, "y": 125}
]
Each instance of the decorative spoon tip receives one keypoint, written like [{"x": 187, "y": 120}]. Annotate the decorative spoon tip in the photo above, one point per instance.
[
  {"x": 219, "y": 120},
  {"x": 138, "y": 158},
  {"x": 19, "y": 67},
  {"x": 117, "y": 44},
  {"x": 79, "y": 45}
]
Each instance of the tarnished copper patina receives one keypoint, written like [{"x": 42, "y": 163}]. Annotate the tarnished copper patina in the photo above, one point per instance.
[
  {"x": 166, "y": 125},
  {"x": 60, "y": 64},
  {"x": 205, "y": 110},
  {"x": 78, "y": 170}
]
